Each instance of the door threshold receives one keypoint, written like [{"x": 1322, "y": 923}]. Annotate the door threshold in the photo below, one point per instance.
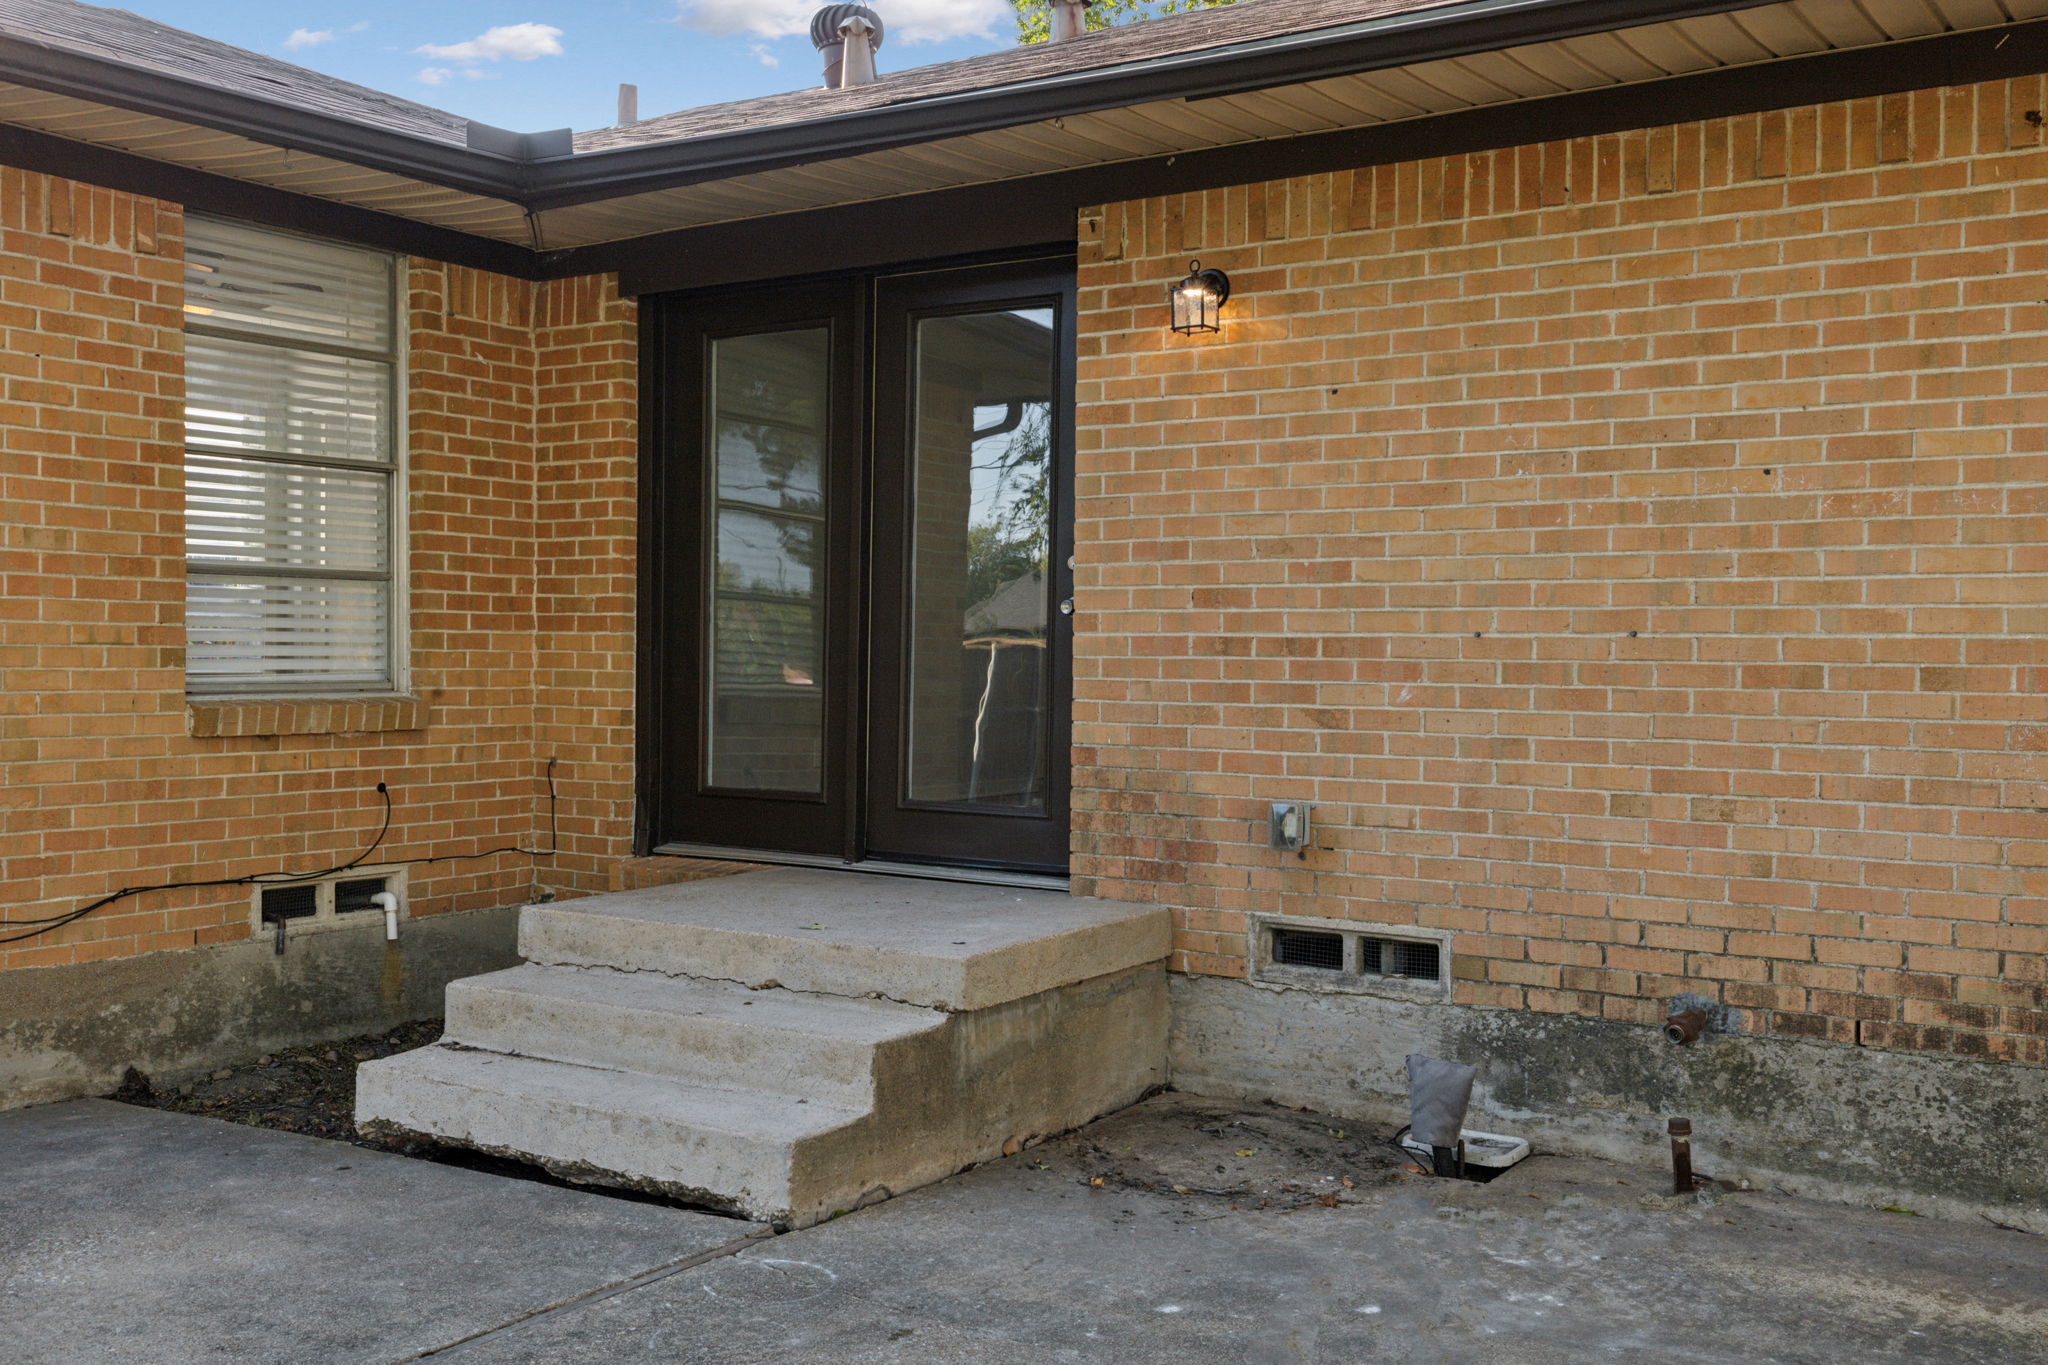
[{"x": 980, "y": 876}]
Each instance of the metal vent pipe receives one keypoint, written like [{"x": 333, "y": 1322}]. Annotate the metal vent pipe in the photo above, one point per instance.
[{"x": 830, "y": 35}]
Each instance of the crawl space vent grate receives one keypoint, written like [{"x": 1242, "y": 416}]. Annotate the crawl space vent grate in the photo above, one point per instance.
[
  {"x": 1335, "y": 956},
  {"x": 1305, "y": 948},
  {"x": 352, "y": 896},
  {"x": 290, "y": 902},
  {"x": 333, "y": 902}
]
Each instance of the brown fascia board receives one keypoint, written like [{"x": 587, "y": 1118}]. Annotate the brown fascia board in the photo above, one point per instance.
[
  {"x": 1034, "y": 211},
  {"x": 29, "y": 150},
  {"x": 1368, "y": 45},
  {"x": 272, "y": 122},
  {"x": 531, "y": 183},
  {"x": 542, "y": 182}
]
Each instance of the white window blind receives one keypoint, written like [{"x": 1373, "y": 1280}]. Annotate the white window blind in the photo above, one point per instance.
[{"x": 291, "y": 462}]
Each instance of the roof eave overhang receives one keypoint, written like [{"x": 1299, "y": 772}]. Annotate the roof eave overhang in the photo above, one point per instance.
[
  {"x": 273, "y": 122},
  {"x": 1288, "y": 59},
  {"x": 561, "y": 181}
]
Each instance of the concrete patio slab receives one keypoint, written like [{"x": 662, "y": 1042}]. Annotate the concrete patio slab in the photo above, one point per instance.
[
  {"x": 1181, "y": 1230},
  {"x": 136, "y": 1235},
  {"x": 1561, "y": 1262}
]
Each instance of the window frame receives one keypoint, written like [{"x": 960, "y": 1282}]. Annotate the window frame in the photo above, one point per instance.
[{"x": 397, "y": 471}]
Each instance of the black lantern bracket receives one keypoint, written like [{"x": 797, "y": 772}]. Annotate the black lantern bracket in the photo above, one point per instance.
[{"x": 1197, "y": 301}]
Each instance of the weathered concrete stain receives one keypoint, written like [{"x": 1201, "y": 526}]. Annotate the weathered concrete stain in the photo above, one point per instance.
[
  {"x": 71, "y": 1031},
  {"x": 1942, "y": 1134}
]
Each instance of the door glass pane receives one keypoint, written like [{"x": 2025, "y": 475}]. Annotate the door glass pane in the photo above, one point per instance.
[
  {"x": 766, "y": 427},
  {"x": 981, "y": 517}
]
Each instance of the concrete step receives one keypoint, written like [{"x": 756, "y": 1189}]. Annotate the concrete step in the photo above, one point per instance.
[
  {"x": 938, "y": 944},
  {"x": 710, "y": 1032},
  {"x": 790, "y": 1042},
  {"x": 728, "y": 1148}
]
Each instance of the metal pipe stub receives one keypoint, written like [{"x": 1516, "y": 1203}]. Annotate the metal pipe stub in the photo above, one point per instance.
[
  {"x": 1681, "y": 1155},
  {"x": 1684, "y": 1027}
]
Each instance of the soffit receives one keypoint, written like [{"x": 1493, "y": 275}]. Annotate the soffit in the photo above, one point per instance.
[
  {"x": 241, "y": 158},
  {"x": 1631, "y": 56},
  {"x": 1639, "y": 55}
]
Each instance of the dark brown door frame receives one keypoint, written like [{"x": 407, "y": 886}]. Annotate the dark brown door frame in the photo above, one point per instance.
[
  {"x": 674, "y": 672},
  {"x": 667, "y": 726},
  {"x": 955, "y": 834}
]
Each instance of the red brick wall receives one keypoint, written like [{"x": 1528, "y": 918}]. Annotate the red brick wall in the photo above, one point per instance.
[
  {"x": 520, "y": 436},
  {"x": 1637, "y": 546},
  {"x": 587, "y": 502}
]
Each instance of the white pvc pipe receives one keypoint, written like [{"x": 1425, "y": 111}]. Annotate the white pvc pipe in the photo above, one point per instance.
[{"x": 388, "y": 903}]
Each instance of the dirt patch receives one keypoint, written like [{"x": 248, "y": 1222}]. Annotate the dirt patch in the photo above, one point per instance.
[
  {"x": 310, "y": 1090},
  {"x": 1245, "y": 1156}
]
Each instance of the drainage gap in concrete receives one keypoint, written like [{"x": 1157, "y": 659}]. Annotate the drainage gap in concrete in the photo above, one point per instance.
[{"x": 312, "y": 1090}]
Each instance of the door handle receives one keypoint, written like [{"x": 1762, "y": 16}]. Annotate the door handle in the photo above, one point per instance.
[{"x": 1066, "y": 606}]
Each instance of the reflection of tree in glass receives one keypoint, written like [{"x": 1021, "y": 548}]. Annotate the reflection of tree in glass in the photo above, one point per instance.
[
  {"x": 769, "y": 439},
  {"x": 1009, "y": 540},
  {"x": 766, "y": 464},
  {"x": 768, "y": 457}
]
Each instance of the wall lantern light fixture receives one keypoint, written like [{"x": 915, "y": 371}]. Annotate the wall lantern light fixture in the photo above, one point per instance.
[{"x": 1197, "y": 301}]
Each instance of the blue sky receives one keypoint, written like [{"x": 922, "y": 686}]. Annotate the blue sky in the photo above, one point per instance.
[{"x": 534, "y": 64}]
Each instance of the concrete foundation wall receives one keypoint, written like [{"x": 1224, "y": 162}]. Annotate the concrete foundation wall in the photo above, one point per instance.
[
  {"x": 72, "y": 1030},
  {"x": 1864, "y": 1125}
]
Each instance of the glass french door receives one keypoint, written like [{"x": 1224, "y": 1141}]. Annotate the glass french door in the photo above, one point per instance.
[{"x": 863, "y": 536}]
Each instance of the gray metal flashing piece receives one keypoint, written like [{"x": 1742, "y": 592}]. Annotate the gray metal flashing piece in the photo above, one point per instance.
[{"x": 520, "y": 147}]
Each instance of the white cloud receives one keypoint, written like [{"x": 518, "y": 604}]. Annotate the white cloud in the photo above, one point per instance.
[
  {"x": 909, "y": 21},
  {"x": 308, "y": 37},
  {"x": 763, "y": 55},
  {"x": 434, "y": 75},
  {"x": 520, "y": 42},
  {"x": 357, "y": 27}
]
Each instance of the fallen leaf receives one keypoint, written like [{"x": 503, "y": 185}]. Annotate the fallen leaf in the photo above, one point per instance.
[
  {"x": 1246, "y": 1151},
  {"x": 814, "y": 926},
  {"x": 1094, "y": 1182},
  {"x": 1347, "y": 1183},
  {"x": 1414, "y": 1169},
  {"x": 1180, "y": 1189},
  {"x": 1336, "y": 1132},
  {"x": 1328, "y": 1201}
]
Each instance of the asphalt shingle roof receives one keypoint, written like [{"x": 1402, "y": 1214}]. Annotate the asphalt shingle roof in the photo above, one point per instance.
[
  {"x": 1116, "y": 46},
  {"x": 143, "y": 44},
  {"x": 119, "y": 36}
]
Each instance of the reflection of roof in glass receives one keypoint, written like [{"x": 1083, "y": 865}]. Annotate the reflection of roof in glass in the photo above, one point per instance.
[{"x": 1015, "y": 608}]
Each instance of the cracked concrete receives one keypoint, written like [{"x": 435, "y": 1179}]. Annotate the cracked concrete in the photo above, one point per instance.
[
  {"x": 1178, "y": 1230},
  {"x": 953, "y": 946},
  {"x": 1561, "y": 1262},
  {"x": 763, "y": 984},
  {"x": 137, "y": 1235}
]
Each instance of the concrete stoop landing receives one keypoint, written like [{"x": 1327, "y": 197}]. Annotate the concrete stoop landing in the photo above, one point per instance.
[{"x": 788, "y": 1043}]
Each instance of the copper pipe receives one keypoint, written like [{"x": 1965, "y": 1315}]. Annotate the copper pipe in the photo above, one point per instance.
[
  {"x": 1681, "y": 1155},
  {"x": 1684, "y": 1027}
]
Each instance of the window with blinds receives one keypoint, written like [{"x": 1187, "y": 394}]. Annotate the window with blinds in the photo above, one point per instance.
[{"x": 291, "y": 463}]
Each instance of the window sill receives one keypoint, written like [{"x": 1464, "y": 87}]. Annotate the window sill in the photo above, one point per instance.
[{"x": 230, "y": 717}]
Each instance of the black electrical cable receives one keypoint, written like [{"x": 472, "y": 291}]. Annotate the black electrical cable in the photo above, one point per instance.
[{"x": 48, "y": 923}]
